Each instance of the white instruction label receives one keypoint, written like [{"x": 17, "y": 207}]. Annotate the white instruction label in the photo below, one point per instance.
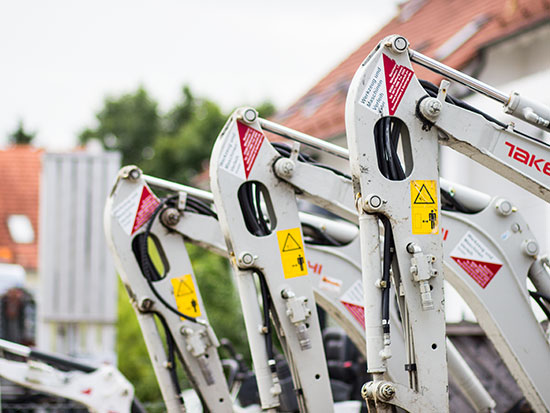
[
  {"x": 136, "y": 209},
  {"x": 231, "y": 158},
  {"x": 125, "y": 212},
  {"x": 352, "y": 300},
  {"x": 386, "y": 86},
  {"x": 374, "y": 95},
  {"x": 476, "y": 259},
  {"x": 354, "y": 294},
  {"x": 471, "y": 247}
]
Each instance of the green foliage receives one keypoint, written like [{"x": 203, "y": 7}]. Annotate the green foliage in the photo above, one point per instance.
[
  {"x": 20, "y": 136},
  {"x": 182, "y": 155},
  {"x": 266, "y": 109},
  {"x": 129, "y": 124}
]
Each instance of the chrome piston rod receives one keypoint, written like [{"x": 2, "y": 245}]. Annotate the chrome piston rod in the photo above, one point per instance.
[{"x": 459, "y": 77}]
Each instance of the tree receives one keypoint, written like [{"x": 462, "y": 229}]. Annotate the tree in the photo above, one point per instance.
[
  {"x": 181, "y": 155},
  {"x": 20, "y": 136},
  {"x": 129, "y": 124},
  {"x": 266, "y": 109}
]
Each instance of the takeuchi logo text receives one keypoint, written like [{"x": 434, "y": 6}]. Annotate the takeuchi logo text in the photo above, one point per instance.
[{"x": 529, "y": 159}]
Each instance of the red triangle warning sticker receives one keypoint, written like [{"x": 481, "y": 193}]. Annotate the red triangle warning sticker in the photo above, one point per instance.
[
  {"x": 481, "y": 272},
  {"x": 147, "y": 205},
  {"x": 357, "y": 312},
  {"x": 251, "y": 142},
  {"x": 397, "y": 80}
]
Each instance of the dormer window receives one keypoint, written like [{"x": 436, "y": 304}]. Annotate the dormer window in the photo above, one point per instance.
[{"x": 20, "y": 228}]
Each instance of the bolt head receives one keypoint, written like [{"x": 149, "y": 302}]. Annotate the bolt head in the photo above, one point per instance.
[
  {"x": 386, "y": 392},
  {"x": 504, "y": 207},
  {"x": 250, "y": 115},
  {"x": 145, "y": 304},
  {"x": 430, "y": 108},
  {"x": 399, "y": 44},
  {"x": 134, "y": 174},
  {"x": 375, "y": 201},
  {"x": 284, "y": 167},
  {"x": 435, "y": 106},
  {"x": 530, "y": 247},
  {"x": 170, "y": 217},
  {"x": 246, "y": 259}
]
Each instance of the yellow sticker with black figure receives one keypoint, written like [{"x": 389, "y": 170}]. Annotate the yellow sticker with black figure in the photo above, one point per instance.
[
  {"x": 185, "y": 294},
  {"x": 291, "y": 248},
  {"x": 424, "y": 207}
]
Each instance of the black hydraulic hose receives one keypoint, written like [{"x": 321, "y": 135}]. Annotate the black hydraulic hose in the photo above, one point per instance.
[
  {"x": 62, "y": 362},
  {"x": 388, "y": 145},
  {"x": 387, "y": 261},
  {"x": 146, "y": 264},
  {"x": 285, "y": 150},
  {"x": 199, "y": 207},
  {"x": 255, "y": 222},
  {"x": 394, "y": 141},
  {"x": 266, "y": 299},
  {"x": 433, "y": 90},
  {"x": 380, "y": 152},
  {"x": 258, "y": 203},
  {"x": 171, "y": 358}
]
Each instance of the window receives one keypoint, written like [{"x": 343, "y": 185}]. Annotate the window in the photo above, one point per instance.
[{"x": 20, "y": 228}]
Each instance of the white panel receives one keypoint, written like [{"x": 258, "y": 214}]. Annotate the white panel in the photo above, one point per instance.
[
  {"x": 77, "y": 299},
  {"x": 96, "y": 237},
  {"x": 81, "y": 270}
]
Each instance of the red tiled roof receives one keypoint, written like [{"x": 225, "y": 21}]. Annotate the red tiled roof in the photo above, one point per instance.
[
  {"x": 20, "y": 167},
  {"x": 431, "y": 23}
]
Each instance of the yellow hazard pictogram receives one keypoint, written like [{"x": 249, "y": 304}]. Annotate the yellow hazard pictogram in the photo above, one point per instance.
[
  {"x": 291, "y": 248},
  {"x": 186, "y": 295},
  {"x": 424, "y": 207}
]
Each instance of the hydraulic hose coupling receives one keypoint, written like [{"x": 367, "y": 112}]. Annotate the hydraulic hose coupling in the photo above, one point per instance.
[
  {"x": 421, "y": 270},
  {"x": 298, "y": 312}
]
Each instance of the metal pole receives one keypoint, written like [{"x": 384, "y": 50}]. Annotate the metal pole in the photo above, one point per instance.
[
  {"x": 459, "y": 77},
  {"x": 172, "y": 186},
  {"x": 304, "y": 138}
]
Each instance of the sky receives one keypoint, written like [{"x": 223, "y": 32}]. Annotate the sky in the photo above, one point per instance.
[{"x": 61, "y": 58}]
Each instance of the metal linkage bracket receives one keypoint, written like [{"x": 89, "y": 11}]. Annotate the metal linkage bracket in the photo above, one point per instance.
[
  {"x": 242, "y": 161},
  {"x": 380, "y": 108},
  {"x": 128, "y": 212}
]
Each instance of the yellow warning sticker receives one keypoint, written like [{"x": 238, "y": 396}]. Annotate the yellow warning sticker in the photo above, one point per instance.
[
  {"x": 424, "y": 207},
  {"x": 291, "y": 248},
  {"x": 186, "y": 296}
]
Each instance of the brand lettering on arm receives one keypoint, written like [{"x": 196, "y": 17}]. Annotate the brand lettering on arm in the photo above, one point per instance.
[{"x": 531, "y": 160}]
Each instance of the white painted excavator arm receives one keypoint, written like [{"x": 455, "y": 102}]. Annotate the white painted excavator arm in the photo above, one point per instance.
[{"x": 103, "y": 389}]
